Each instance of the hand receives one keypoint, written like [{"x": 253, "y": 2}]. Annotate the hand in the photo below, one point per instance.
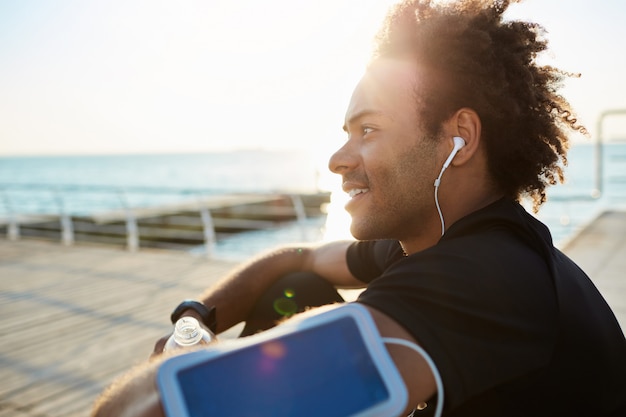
[{"x": 159, "y": 345}]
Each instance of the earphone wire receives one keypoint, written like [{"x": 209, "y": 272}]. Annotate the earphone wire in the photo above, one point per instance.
[
  {"x": 431, "y": 365},
  {"x": 459, "y": 143},
  {"x": 437, "y": 182}
]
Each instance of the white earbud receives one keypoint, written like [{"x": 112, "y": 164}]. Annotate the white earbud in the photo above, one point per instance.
[{"x": 459, "y": 143}]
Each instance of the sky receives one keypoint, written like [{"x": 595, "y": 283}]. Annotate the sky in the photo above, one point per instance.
[{"x": 150, "y": 76}]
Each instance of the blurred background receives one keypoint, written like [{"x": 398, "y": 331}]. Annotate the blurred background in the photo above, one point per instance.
[{"x": 231, "y": 96}]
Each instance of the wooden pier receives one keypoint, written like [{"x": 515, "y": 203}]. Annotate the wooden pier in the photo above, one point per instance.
[{"x": 74, "y": 318}]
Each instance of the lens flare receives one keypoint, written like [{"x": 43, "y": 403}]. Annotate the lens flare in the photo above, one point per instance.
[{"x": 285, "y": 307}]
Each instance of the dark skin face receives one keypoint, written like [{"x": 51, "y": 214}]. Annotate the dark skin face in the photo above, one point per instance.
[{"x": 388, "y": 164}]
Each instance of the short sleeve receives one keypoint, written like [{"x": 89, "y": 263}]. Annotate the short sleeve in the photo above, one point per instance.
[{"x": 369, "y": 258}]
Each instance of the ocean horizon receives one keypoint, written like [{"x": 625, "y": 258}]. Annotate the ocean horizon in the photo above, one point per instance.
[{"x": 95, "y": 183}]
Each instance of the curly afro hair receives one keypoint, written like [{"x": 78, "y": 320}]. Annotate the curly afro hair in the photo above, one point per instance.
[{"x": 474, "y": 58}]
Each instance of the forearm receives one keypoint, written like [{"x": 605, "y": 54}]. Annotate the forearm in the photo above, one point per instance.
[
  {"x": 235, "y": 295},
  {"x": 134, "y": 394}
]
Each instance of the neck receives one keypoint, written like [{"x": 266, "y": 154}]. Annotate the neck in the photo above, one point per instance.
[{"x": 451, "y": 213}]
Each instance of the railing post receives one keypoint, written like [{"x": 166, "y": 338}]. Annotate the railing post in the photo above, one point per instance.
[
  {"x": 13, "y": 229},
  {"x": 298, "y": 206},
  {"x": 13, "y": 226},
  {"x": 208, "y": 229},
  {"x": 132, "y": 231},
  {"x": 597, "y": 192},
  {"x": 67, "y": 229}
]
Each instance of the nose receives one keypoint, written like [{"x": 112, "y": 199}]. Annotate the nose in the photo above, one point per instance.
[{"x": 343, "y": 159}]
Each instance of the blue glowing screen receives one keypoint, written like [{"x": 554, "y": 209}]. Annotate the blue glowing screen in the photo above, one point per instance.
[{"x": 321, "y": 371}]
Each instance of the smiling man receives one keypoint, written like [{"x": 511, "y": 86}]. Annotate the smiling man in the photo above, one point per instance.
[
  {"x": 390, "y": 161},
  {"x": 451, "y": 126}
]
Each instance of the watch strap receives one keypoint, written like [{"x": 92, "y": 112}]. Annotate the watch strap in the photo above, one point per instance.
[{"x": 207, "y": 314}]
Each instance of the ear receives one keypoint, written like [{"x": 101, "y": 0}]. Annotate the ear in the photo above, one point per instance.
[{"x": 465, "y": 123}]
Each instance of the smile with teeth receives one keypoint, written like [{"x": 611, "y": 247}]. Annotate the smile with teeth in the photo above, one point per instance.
[{"x": 356, "y": 191}]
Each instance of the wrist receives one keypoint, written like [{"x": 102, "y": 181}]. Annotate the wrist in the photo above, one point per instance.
[{"x": 197, "y": 310}]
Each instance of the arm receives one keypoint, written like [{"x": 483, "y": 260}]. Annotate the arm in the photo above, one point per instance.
[
  {"x": 136, "y": 394},
  {"x": 416, "y": 373},
  {"x": 235, "y": 295}
]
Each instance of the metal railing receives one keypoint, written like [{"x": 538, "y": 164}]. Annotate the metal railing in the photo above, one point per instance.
[
  {"x": 67, "y": 202},
  {"x": 599, "y": 155},
  {"x": 568, "y": 209},
  {"x": 63, "y": 203}
]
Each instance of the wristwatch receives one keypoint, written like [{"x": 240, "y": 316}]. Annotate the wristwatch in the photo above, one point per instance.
[{"x": 207, "y": 314}]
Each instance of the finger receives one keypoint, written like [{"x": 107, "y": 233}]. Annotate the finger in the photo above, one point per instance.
[{"x": 159, "y": 345}]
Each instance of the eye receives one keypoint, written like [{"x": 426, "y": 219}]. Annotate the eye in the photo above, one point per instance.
[{"x": 367, "y": 129}]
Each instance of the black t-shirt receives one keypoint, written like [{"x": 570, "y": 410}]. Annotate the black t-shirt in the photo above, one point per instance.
[{"x": 513, "y": 325}]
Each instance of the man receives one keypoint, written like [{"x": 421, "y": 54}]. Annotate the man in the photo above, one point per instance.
[{"x": 451, "y": 125}]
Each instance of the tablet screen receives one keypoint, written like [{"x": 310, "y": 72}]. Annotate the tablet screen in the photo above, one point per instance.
[{"x": 321, "y": 371}]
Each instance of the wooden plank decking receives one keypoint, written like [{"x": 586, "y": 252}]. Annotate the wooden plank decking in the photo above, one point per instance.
[{"x": 73, "y": 318}]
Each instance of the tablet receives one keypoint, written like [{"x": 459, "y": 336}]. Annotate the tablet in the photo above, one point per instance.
[{"x": 333, "y": 364}]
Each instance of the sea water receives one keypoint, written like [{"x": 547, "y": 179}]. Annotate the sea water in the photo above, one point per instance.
[{"x": 89, "y": 184}]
